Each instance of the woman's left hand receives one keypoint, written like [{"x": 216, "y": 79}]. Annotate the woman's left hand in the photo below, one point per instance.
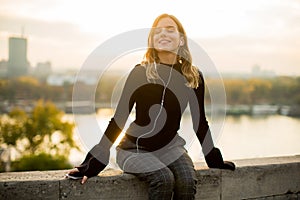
[{"x": 228, "y": 165}]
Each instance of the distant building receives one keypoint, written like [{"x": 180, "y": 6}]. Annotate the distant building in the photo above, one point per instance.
[
  {"x": 61, "y": 79},
  {"x": 87, "y": 78},
  {"x": 258, "y": 72},
  {"x": 18, "y": 64},
  {"x": 3, "y": 68},
  {"x": 43, "y": 70}
]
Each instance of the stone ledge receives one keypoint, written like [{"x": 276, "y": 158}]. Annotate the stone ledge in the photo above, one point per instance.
[{"x": 262, "y": 178}]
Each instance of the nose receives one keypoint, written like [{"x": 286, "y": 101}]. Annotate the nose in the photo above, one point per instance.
[{"x": 161, "y": 32}]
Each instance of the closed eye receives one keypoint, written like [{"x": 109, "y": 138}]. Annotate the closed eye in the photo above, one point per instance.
[{"x": 169, "y": 29}]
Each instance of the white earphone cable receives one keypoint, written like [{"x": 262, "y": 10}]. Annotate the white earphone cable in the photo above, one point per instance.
[
  {"x": 161, "y": 105},
  {"x": 155, "y": 121},
  {"x": 159, "y": 112}
]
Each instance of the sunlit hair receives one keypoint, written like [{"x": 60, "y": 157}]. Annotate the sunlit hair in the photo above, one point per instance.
[{"x": 184, "y": 57}]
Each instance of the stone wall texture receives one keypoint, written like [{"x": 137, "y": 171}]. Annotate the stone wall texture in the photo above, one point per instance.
[{"x": 273, "y": 178}]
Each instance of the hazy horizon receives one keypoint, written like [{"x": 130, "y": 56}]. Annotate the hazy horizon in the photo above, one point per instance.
[{"x": 236, "y": 35}]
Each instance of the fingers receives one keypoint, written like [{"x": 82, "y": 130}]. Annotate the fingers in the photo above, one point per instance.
[
  {"x": 229, "y": 165},
  {"x": 73, "y": 171},
  {"x": 84, "y": 179}
]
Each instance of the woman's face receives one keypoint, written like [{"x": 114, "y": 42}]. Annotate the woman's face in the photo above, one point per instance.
[{"x": 166, "y": 36}]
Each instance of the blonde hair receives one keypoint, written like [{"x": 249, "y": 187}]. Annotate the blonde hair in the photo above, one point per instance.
[{"x": 190, "y": 72}]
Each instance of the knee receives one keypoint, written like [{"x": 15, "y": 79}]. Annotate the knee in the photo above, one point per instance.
[
  {"x": 186, "y": 183},
  {"x": 165, "y": 179}
]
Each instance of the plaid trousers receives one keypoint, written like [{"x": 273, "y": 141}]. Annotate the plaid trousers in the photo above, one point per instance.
[{"x": 168, "y": 178}]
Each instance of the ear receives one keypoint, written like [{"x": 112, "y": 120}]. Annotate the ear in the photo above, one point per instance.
[{"x": 181, "y": 43}]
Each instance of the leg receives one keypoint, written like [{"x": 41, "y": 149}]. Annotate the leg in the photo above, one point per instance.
[
  {"x": 161, "y": 183},
  {"x": 148, "y": 168},
  {"x": 185, "y": 178}
]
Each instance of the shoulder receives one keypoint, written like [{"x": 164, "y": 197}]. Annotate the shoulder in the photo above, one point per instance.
[
  {"x": 138, "y": 68},
  {"x": 138, "y": 71},
  {"x": 201, "y": 75},
  {"x": 197, "y": 69}
]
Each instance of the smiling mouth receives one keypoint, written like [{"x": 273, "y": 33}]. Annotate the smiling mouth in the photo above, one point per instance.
[{"x": 164, "y": 41}]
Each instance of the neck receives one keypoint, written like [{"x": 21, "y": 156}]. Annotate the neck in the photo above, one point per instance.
[{"x": 167, "y": 57}]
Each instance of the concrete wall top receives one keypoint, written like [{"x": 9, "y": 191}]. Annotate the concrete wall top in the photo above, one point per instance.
[{"x": 259, "y": 178}]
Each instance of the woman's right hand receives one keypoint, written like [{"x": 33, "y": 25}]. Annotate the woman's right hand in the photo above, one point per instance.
[{"x": 90, "y": 167}]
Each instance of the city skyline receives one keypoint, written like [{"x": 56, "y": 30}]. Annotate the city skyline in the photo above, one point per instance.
[
  {"x": 237, "y": 35},
  {"x": 18, "y": 64}
]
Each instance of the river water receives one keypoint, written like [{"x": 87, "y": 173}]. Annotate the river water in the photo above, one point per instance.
[{"x": 238, "y": 137}]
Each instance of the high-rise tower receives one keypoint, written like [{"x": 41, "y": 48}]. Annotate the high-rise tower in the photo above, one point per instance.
[{"x": 17, "y": 59}]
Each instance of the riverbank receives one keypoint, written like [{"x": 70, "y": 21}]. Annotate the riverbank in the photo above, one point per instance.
[
  {"x": 263, "y": 110},
  {"x": 88, "y": 107}
]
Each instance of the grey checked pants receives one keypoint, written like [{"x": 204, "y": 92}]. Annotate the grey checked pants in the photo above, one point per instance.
[{"x": 167, "y": 179}]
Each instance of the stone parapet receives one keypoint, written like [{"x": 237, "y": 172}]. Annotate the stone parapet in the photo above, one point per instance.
[{"x": 261, "y": 178}]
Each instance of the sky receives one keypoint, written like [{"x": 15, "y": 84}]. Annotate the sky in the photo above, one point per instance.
[{"x": 236, "y": 34}]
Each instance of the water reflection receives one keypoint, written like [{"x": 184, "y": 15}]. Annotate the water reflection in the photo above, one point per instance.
[{"x": 241, "y": 136}]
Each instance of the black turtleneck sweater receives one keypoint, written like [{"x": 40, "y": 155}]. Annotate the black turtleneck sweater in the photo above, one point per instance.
[{"x": 158, "y": 130}]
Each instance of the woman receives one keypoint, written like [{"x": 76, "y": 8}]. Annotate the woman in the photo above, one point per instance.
[{"x": 160, "y": 87}]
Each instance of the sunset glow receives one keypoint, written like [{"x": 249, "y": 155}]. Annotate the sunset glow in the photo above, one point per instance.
[{"x": 236, "y": 34}]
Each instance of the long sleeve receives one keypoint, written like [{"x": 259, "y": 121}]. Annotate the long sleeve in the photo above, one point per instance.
[
  {"x": 98, "y": 157},
  {"x": 200, "y": 124},
  {"x": 212, "y": 154}
]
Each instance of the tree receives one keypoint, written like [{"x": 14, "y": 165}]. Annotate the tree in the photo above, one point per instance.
[
  {"x": 42, "y": 133},
  {"x": 11, "y": 129}
]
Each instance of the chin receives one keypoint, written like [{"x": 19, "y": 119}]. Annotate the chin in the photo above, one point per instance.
[{"x": 166, "y": 50}]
